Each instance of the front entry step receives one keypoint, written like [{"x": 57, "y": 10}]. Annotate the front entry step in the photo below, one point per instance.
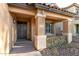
[
  {"x": 24, "y": 48},
  {"x": 32, "y": 53}
]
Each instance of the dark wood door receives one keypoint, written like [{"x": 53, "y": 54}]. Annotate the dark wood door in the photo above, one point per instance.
[{"x": 21, "y": 31}]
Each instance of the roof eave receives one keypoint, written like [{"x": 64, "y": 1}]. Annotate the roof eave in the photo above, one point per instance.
[{"x": 55, "y": 10}]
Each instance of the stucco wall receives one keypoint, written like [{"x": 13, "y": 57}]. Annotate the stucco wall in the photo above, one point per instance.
[
  {"x": 29, "y": 30},
  {"x": 74, "y": 22},
  {"x": 6, "y": 25},
  {"x": 72, "y": 9}
]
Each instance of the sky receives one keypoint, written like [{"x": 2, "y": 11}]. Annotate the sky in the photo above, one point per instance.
[{"x": 65, "y": 3}]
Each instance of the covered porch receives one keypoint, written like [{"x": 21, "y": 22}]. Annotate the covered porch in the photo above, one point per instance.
[{"x": 40, "y": 25}]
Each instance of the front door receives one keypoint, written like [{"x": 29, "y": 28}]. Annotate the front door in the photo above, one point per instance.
[
  {"x": 21, "y": 31},
  {"x": 77, "y": 28}
]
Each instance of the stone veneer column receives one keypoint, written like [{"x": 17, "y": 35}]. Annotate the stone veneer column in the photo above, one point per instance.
[
  {"x": 67, "y": 27},
  {"x": 40, "y": 37}
]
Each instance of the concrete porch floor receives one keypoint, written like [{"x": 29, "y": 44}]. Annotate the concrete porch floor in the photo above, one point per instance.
[{"x": 24, "y": 48}]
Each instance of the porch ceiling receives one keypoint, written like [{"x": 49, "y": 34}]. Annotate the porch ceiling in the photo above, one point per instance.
[
  {"x": 55, "y": 20},
  {"x": 30, "y": 12},
  {"x": 21, "y": 17},
  {"x": 54, "y": 16}
]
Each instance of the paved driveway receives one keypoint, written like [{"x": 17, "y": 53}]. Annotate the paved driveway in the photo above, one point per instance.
[{"x": 24, "y": 48}]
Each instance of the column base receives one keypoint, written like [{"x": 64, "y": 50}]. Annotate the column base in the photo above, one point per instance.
[
  {"x": 40, "y": 42},
  {"x": 69, "y": 37}
]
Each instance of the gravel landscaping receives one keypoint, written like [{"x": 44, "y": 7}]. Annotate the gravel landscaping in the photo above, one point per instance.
[{"x": 66, "y": 50}]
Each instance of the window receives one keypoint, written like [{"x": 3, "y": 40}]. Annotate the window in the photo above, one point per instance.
[
  {"x": 77, "y": 28},
  {"x": 49, "y": 28},
  {"x": 77, "y": 11}
]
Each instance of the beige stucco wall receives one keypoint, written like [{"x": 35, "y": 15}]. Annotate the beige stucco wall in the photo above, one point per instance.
[
  {"x": 33, "y": 29},
  {"x": 28, "y": 29},
  {"x": 74, "y": 22},
  {"x": 6, "y": 28},
  {"x": 14, "y": 33},
  {"x": 72, "y": 9}
]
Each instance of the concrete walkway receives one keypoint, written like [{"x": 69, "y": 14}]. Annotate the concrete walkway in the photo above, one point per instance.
[{"x": 24, "y": 48}]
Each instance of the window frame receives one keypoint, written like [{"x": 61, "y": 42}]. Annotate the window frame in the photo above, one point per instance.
[
  {"x": 49, "y": 28},
  {"x": 77, "y": 11}
]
